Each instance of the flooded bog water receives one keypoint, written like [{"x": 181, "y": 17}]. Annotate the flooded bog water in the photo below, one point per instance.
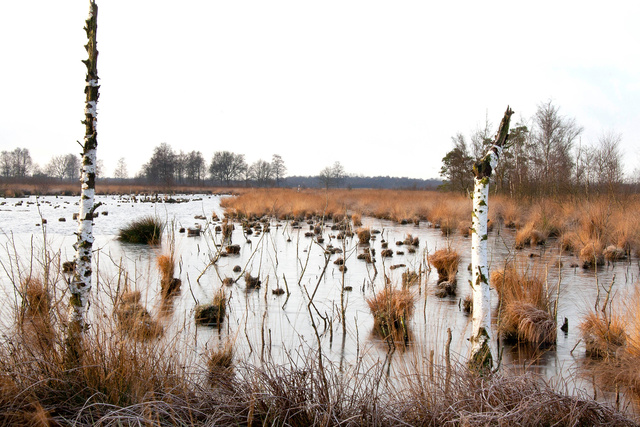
[{"x": 321, "y": 303}]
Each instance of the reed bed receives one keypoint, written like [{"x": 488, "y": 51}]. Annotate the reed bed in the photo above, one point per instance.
[
  {"x": 577, "y": 221},
  {"x": 126, "y": 383}
]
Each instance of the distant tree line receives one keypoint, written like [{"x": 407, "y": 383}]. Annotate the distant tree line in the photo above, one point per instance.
[
  {"x": 544, "y": 156},
  {"x": 168, "y": 168},
  {"x": 18, "y": 165},
  {"x": 226, "y": 168}
]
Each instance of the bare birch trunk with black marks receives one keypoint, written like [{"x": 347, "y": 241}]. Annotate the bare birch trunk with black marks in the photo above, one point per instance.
[
  {"x": 481, "y": 358},
  {"x": 80, "y": 284}
]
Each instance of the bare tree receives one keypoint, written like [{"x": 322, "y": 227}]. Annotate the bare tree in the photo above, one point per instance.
[
  {"x": 261, "y": 172},
  {"x": 585, "y": 173},
  {"x": 99, "y": 168},
  {"x": 161, "y": 166},
  {"x": 57, "y": 167},
  {"x": 180, "y": 167},
  {"x": 553, "y": 137},
  {"x": 16, "y": 163},
  {"x": 332, "y": 176},
  {"x": 227, "y": 166},
  {"x": 609, "y": 161},
  {"x": 72, "y": 167},
  {"x": 121, "y": 169},
  {"x": 6, "y": 164},
  {"x": 481, "y": 139},
  {"x": 194, "y": 167},
  {"x": 22, "y": 162},
  {"x": 278, "y": 167}
]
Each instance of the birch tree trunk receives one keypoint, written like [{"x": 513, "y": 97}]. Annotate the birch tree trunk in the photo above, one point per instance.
[
  {"x": 80, "y": 284},
  {"x": 481, "y": 358}
]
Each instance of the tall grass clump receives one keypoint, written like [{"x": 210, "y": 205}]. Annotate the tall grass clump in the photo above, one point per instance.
[
  {"x": 611, "y": 336},
  {"x": 356, "y": 219},
  {"x": 212, "y": 314},
  {"x": 603, "y": 335},
  {"x": 134, "y": 319},
  {"x": 147, "y": 230},
  {"x": 364, "y": 235},
  {"x": 35, "y": 313},
  {"x": 169, "y": 284},
  {"x": 392, "y": 308},
  {"x": 529, "y": 235},
  {"x": 446, "y": 262},
  {"x": 526, "y": 309},
  {"x": 219, "y": 361},
  {"x": 116, "y": 370}
]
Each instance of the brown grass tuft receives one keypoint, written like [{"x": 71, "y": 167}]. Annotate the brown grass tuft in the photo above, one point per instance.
[
  {"x": 212, "y": 314},
  {"x": 36, "y": 301},
  {"x": 529, "y": 236},
  {"x": 220, "y": 362},
  {"x": 166, "y": 266},
  {"x": 391, "y": 309},
  {"x": 603, "y": 337},
  {"x": 591, "y": 254},
  {"x": 526, "y": 308},
  {"x": 169, "y": 285},
  {"x": 446, "y": 262},
  {"x": 364, "y": 235},
  {"x": 410, "y": 278},
  {"x": 356, "y": 219},
  {"x": 528, "y": 323},
  {"x": 134, "y": 320},
  {"x": 252, "y": 282}
]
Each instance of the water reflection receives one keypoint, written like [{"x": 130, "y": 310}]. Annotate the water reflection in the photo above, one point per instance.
[{"x": 262, "y": 324}]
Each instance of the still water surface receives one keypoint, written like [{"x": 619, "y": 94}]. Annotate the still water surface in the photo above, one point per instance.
[{"x": 263, "y": 324}]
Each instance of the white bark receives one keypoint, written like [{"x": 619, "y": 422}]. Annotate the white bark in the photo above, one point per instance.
[
  {"x": 80, "y": 284},
  {"x": 480, "y": 271},
  {"x": 481, "y": 358}
]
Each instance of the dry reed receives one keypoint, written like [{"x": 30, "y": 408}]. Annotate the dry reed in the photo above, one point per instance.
[
  {"x": 603, "y": 335},
  {"x": 124, "y": 382},
  {"x": 445, "y": 261},
  {"x": 526, "y": 307},
  {"x": 364, "y": 235},
  {"x": 391, "y": 309},
  {"x": 212, "y": 314},
  {"x": 134, "y": 319}
]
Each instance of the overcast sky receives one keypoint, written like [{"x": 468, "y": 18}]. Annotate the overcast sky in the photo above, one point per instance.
[{"x": 380, "y": 86}]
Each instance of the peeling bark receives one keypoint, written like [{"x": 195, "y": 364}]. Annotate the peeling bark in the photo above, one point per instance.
[
  {"x": 481, "y": 358},
  {"x": 80, "y": 284}
]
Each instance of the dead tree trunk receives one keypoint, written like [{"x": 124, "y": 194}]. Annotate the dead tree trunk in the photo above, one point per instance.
[
  {"x": 481, "y": 358},
  {"x": 80, "y": 284}
]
